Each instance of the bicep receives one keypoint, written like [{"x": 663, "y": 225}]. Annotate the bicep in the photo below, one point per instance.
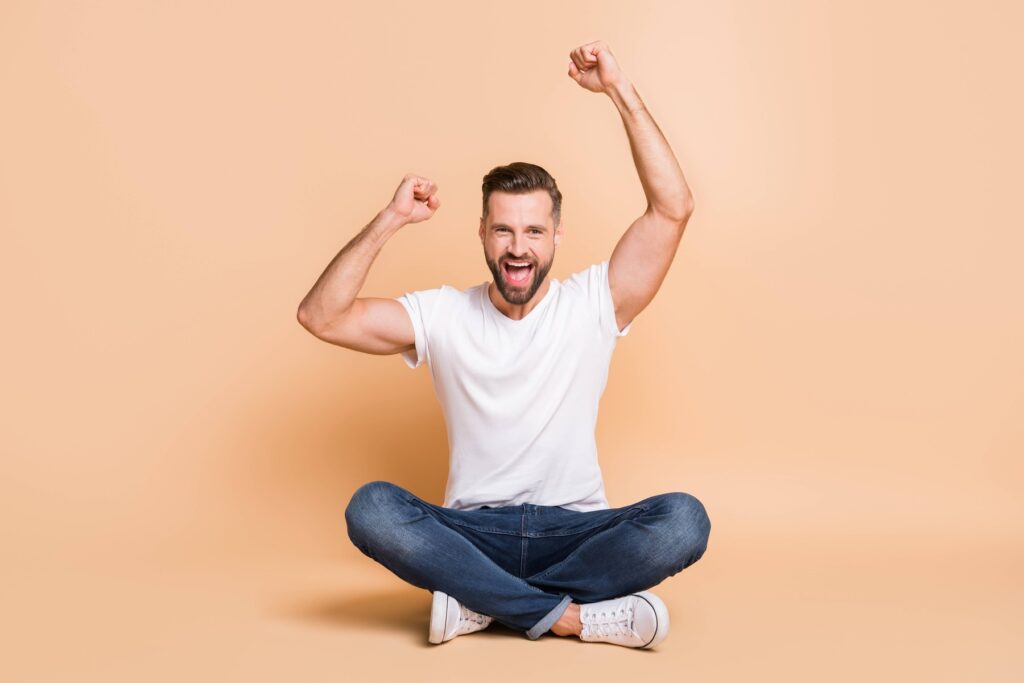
[
  {"x": 372, "y": 325},
  {"x": 639, "y": 263}
]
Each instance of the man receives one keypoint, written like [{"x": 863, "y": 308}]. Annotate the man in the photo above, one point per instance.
[{"x": 525, "y": 536}]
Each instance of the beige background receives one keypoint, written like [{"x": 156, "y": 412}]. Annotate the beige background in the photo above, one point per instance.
[{"x": 832, "y": 366}]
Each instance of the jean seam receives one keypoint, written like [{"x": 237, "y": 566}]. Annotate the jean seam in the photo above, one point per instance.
[
  {"x": 631, "y": 508},
  {"x": 449, "y": 520},
  {"x": 489, "y": 530},
  {"x": 522, "y": 551}
]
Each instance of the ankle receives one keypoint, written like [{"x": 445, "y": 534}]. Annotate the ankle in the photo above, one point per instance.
[{"x": 569, "y": 623}]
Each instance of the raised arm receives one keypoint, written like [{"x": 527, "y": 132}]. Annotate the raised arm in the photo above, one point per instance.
[
  {"x": 331, "y": 310},
  {"x": 642, "y": 257}
]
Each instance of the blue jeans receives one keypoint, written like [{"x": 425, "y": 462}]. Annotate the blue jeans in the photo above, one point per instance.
[{"x": 523, "y": 564}]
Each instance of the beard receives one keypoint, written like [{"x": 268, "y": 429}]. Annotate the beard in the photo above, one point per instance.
[{"x": 518, "y": 295}]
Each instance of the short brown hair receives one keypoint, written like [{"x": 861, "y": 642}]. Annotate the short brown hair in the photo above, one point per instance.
[{"x": 521, "y": 177}]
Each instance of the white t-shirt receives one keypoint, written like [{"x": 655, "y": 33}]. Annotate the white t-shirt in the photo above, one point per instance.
[{"x": 519, "y": 397}]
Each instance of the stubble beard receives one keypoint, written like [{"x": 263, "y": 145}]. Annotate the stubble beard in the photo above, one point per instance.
[{"x": 515, "y": 295}]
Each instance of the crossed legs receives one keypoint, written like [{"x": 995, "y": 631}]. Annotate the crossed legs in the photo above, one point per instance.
[{"x": 654, "y": 539}]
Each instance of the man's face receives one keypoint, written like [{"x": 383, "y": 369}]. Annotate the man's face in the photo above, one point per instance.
[{"x": 519, "y": 229}]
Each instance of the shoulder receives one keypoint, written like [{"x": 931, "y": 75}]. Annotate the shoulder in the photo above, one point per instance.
[
  {"x": 425, "y": 302},
  {"x": 589, "y": 281},
  {"x": 590, "y": 285}
]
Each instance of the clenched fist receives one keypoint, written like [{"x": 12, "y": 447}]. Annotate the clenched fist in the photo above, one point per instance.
[
  {"x": 593, "y": 66},
  {"x": 415, "y": 199}
]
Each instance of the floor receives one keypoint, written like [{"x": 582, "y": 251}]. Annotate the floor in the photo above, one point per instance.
[{"x": 796, "y": 609}]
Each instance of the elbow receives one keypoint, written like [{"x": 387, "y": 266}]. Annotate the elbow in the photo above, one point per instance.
[
  {"x": 304, "y": 319},
  {"x": 677, "y": 212},
  {"x": 683, "y": 210}
]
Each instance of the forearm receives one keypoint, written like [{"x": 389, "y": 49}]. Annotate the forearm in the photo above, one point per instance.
[
  {"x": 337, "y": 287},
  {"x": 660, "y": 175}
]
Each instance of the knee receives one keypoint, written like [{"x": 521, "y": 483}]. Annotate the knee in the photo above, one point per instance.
[
  {"x": 687, "y": 528},
  {"x": 368, "y": 509}
]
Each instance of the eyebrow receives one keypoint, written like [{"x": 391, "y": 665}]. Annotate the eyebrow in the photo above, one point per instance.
[{"x": 502, "y": 225}]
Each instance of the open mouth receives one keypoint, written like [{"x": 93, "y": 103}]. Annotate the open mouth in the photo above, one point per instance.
[{"x": 517, "y": 272}]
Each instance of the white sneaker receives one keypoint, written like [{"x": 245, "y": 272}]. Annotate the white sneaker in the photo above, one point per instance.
[
  {"x": 449, "y": 618},
  {"x": 635, "y": 620}
]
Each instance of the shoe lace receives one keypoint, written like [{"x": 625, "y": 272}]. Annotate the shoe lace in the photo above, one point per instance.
[
  {"x": 468, "y": 618},
  {"x": 609, "y": 623}
]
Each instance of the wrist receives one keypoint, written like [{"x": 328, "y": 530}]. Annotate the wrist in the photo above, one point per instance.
[
  {"x": 625, "y": 96},
  {"x": 389, "y": 220}
]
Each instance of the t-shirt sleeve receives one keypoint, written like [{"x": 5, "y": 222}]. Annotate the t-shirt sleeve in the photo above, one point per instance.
[
  {"x": 421, "y": 307},
  {"x": 592, "y": 282}
]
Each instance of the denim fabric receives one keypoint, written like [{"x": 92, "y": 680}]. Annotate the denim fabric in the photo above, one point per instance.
[{"x": 523, "y": 564}]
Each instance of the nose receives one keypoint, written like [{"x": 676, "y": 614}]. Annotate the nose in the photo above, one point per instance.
[{"x": 519, "y": 249}]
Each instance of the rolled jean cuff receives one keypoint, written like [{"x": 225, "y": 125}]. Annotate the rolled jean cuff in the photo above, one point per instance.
[{"x": 542, "y": 626}]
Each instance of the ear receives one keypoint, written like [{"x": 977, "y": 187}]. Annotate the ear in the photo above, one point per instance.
[
  {"x": 481, "y": 231},
  {"x": 558, "y": 234}
]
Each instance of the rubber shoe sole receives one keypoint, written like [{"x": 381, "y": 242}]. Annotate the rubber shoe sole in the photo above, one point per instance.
[{"x": 449, "y": 618}]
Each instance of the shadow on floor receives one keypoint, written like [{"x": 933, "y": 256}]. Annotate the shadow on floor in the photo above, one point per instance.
[{"x": 404, "y": 611}]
